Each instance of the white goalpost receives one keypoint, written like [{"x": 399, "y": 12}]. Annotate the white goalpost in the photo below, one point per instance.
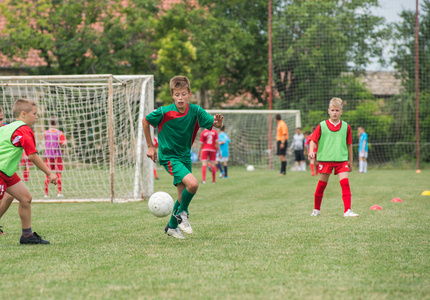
[
  {"x": 253, "y": 135},
  {"x": 101, "y": 118}
]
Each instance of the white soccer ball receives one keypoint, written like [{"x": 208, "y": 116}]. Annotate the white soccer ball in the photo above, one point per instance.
[
  {"x": 250, "y": 168},
  {"x": 160, "y": 204}
]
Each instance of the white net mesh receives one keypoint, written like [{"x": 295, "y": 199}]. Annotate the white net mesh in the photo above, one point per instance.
[
  {"x": 103, "y": 157},
  {"x": 253, "y": 135}
]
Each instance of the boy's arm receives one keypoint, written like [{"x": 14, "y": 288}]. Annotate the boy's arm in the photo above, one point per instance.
[
  {"x": 151, "y": 153},
  {"x": 200, "y": 150},
  {"x": 350, "y": 156},
  {"x": 35, "y": 158}
]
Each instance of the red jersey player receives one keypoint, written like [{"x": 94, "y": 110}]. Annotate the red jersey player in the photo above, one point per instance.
[{"x": 207, "y": 151}]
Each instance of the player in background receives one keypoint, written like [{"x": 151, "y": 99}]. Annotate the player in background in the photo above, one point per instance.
[
  {"x": 208, "y": 148},
  {"x": 362, "y": 150},
  {"x": 13, "y": 139},
  {"x": 177, "y": 128},
  {"x": 334, "y": 140},
  {"x": 312, "y": 162},
  {"x": 224, "y": 143},
  {"x": 54, "y": 139},
  {"x": 282, "y": 143},
  {"x": 298, "y": 145}
]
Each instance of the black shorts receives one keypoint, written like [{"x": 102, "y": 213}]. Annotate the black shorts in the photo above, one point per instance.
[
  {"x": 300, "y": 156},
  {"x": 282, "y": 151}
]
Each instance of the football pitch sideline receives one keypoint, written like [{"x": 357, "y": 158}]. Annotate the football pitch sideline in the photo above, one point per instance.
[{"x": 253, "y": 238}]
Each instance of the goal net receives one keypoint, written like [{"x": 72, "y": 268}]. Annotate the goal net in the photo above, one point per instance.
[
  {"x": 253, "y": 135},
  {"x": 101, "y": 119}
]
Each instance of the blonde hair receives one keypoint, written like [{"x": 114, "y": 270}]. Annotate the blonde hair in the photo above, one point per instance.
[
  {"x": 21, "y": 105},
  {"x": 335, "y": 102},
  {"x": 179, "y": 82}
]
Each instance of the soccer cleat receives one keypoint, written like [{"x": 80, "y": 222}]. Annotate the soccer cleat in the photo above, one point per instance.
[
  {"x": 59, "y": 195},
  {"x": 350, "y": 213},
  {"x": 173, "y": 232},
  {"x": 315, "y": 213},
  {"x": 221, "y": 175},
  {"x": 203, "y": 182},
  {"x": 46, "y": 196},
  {"x": 1, "y": 231},
  {"x": 184, "y": 223},
  {"x": 33, "y": 238}
]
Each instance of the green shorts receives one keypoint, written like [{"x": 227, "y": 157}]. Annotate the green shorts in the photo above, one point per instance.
[{"x": 178, "y": 170}]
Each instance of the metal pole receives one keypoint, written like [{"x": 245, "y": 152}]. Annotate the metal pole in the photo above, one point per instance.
[
  {"x": 270, "y": 84},
  {"x": 417, "y": 86},
  {"x": 111, "y": 139}
]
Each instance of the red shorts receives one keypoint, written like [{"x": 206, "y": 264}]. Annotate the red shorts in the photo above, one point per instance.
[
  {"x": 209, "y": 155},
  {"x": 6, "y": 182},
  {"x": 55, "y": 164},
  {"x": 327, "y": 167}
]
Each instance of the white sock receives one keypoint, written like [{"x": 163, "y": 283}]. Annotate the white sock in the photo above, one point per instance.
[
  {"x": 365, "y": 167},
  {"x": 303, "y": 166},
  {"x": 360, "y": 166}
]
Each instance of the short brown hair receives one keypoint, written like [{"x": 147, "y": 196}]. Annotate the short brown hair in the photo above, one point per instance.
[
  {"x": 179, "y": 82},
  {"x": 22, "y": 105}
]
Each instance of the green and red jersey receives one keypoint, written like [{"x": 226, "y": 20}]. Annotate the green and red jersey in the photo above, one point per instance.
[{"x": 177, "y": 131}]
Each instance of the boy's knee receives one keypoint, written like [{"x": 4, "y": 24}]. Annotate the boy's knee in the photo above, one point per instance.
[
  {"x": 26, "y": 200},
  {"x": 193, "y": 186}
]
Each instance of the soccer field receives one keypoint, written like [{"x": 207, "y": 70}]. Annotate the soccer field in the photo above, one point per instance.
[{"x": 253, "y": 239}]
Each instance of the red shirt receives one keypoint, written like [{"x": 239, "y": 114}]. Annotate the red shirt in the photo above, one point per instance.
[
  {"x": 24, "y": 137},
  {"x": 208, "y": 139},
  {"x": 315, "y": 136}
]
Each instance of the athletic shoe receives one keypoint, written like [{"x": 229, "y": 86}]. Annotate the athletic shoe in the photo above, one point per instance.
[
  {"x": 315, "y": 213},
  {"x": 33, "y": 238},
  {"x": 184, "y": 223},
  {"x": 1, "y": 231},
  {"x": 60, "y": 195},
  {"x": 350, "y": 213},
  {"x": 225, "y": 176},
  {"x": 203, "y": 182},
  {"x": 173, "y": 232},
  {"x": 221, "y": 175},
  {"x": 46, "y": 196}
]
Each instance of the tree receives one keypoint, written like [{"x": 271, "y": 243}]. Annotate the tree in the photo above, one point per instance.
[
  {"x": 318, "y": 41},
  {"x": 78, "y": 37},
  {"x": 404, "y": 48}
]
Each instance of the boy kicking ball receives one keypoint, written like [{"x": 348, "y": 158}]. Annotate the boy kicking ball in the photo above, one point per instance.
[
  {"x": 177, "y": 127},
  {"x": 334, "y": 152}
]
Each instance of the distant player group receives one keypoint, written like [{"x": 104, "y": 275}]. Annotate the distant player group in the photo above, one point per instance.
[{"x": 177, "y": 125}]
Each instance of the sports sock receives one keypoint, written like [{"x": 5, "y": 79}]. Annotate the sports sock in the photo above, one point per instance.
[
  {"x": 220, "y": 167},
  {"x": 59, "y": 183},
  {"x": 186, "y": 198},
  {"x": 26, "y": 174},
  {"x": 27, "y": 232},
  {"x": 213, "y": 174},
  {"x": 319, "y": 193},
  {"x": 346, "y": 193},
  {"x": 303, "y": 165},
  {"x": 360, "y": 166},
  {"x": 365, "y": 167},
  {"x": 225, "y": 171},
  {"x": 173, "y": 223},
  {"x": 283, "y": 167},
  {"x": 204, "y": 173},
  {"x": 311, "y": 166},
  {"x": 46, "y": 185},
  {"x": 155, "y": 173}
]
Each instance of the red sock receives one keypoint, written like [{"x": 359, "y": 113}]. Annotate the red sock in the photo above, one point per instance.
[
  {"x": 311, "y": 166},
  {"x": 204, "y": 173},
  {"x": 213, "y": 174},
  {"x": 59, "y": 183},
  {"x": 26, "y": 174},
  {"x": 155, "y": 173},
  {"x": 346, "y": 193},
  {"x": 319, "y": 194},
  {"x": 46, "y": 185}
]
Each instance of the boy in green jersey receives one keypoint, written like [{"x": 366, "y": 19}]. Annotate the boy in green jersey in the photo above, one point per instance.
[
  {"x": 334, "y": 140},
  {"x": 178, "y": 125},
  {"x": 14, "y": 138}
]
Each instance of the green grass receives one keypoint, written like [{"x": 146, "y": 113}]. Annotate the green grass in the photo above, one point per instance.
[{"x": 253, "y": 239}]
